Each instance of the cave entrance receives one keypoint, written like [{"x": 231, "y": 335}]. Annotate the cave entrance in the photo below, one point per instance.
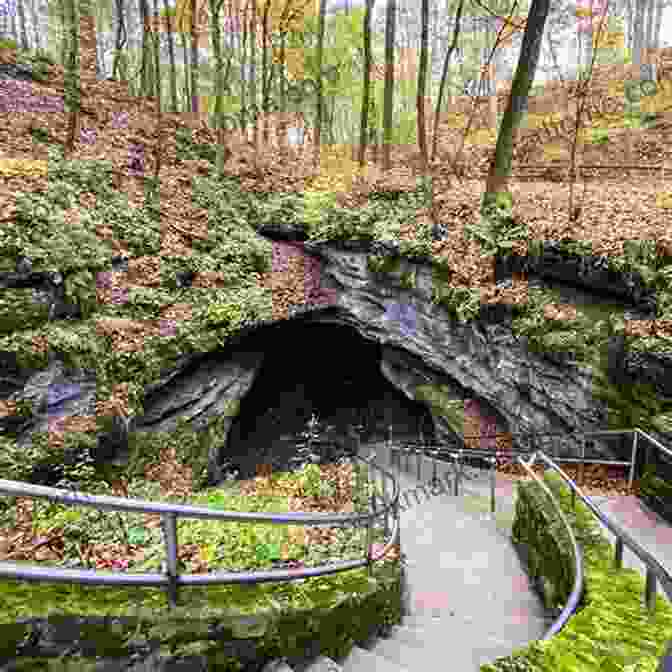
[{"x": 324, "y": 369}]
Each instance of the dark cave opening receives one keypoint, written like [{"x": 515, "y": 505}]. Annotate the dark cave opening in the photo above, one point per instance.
[{"x": 324, "y": 369}]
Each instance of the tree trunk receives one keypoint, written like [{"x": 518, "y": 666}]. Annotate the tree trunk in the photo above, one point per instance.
[
  {"x": 171, "y": 56},
  {"x": 367, "y": 82},
  {"x": 120, "y": 39},
  {"x": 215, "y": 6},
  {"x": 72, "y": 84},
  {"x": 265, "y": 78},
  {"x": 320, "y": 97},
  {"x": 36, "y": 24},
  {"x": 159, "y": 145},
  {"x": 422, "y": 86},
  {"x": 22, "y": 24},
  {"x": 388, "y": 95},
  {"x": 146, "y": 68},
  {"x": 444, "y": 75},
  {"x": 194, "y": 61},
  {"x": 500, "y": 167},
  {"x": 187, "y": 72}
]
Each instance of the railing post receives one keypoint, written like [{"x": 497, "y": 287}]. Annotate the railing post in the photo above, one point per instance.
[
  {"x": 456, "y": 490},
  {"x": 650, "y": 590},
  {"x": 369, "y": 543},
  {"x": 493, "y": 462},
  {"x": 582, "y": 465},
  {"x": 618, "y": 556},
  {"x": 418, "y": 452},
  {"x": 386, "y": 519},
  {"x": 170, "y": 538},
  {"x": 633, "y": 458}
]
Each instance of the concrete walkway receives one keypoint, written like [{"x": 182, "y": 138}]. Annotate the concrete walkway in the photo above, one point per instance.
[
  {"x": 646, "y": 527},
  {"x": 468, "y": 598}
]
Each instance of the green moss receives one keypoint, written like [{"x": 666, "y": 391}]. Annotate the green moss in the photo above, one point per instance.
[{"x": 612, "y": 629}]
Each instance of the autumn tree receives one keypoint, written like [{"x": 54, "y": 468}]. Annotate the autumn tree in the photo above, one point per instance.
[{"x": 500, "y": 167}]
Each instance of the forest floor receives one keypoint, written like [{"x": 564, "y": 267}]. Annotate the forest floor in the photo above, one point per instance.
[{"x": 621, "y": 205}]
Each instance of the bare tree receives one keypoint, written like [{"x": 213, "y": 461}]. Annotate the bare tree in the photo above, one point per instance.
[
  {"x": 422, "y": 85},
  {"x": 388, "y": 94},
  {"x": 444, "y": 74}
]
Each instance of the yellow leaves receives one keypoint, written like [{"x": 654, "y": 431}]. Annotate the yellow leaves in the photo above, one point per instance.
[
  {"x": 664, "y": 200},
  {"x": 608, "y": 39},
  {"x": 337, "y": 169},
  {"x": 554, "y": 151},
  {"x": 661, "y": 101},
  {"x": 14, "y": 167},
  {"x": 295, "y": 63}
]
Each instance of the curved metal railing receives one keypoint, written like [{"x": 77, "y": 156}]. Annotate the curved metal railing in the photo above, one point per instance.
[
  {"x": 655, "y": 572},
  {"x": 171, "y": 580}
]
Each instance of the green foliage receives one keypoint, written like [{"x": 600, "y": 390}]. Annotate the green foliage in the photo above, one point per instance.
[
  {"x": 600, "y": 136},
  {"x": 497, "y": 230},
  {"x": 463, "y": 302},
  {"x": 188, "y": 149},
  {"x": 312, "y": 482},
  {"x": 40, "y": 134},
  {"x": 316, "y": 204},
  {"x": 594, "y": 637},
  {"x": 80, "y": 289},
  {"x": 638, "y": 256}
]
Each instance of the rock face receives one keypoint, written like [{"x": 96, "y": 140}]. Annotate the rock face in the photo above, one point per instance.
[{"x": 380, "y": 354}]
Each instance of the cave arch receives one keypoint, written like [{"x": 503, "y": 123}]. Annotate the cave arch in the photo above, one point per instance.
[{"x": 317, "y": 367}]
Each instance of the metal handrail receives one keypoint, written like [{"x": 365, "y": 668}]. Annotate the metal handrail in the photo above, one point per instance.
[
  {"x": 498, "y": 454},
  {"x": 171, "y": 580},
  {"x": 577, "y": 589},
  {"x": 654, "y": 570}
]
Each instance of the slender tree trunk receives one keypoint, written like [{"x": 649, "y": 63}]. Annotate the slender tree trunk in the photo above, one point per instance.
[
  {"x": 388, "y": 94},
  {"x": 367, "y": 82},
  {"x": 147, "y": 68},
  {"x": 72, "y": 84},
  {"x": 187, "y": 72},
  {"x": 422, "y": 85},
  {"x": 265, "y": 77},
  {"x": 194, "y": 61},
  {"x": 120, "y": 38},
  {"x": 444, "y": 76},
  {"x": 243, "y": 88},
  {"x": 22, "y": 24},
  {"x": 215, "y": 6},
  {"x": 500, "y": 166},
  {"x": 320, "y": 97},
  {"x": 157, "y": 69},
  {"x": 36, "y": 24},
  {"x": 171, "y": 56},
  {"x": 253, "y": 74}
]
